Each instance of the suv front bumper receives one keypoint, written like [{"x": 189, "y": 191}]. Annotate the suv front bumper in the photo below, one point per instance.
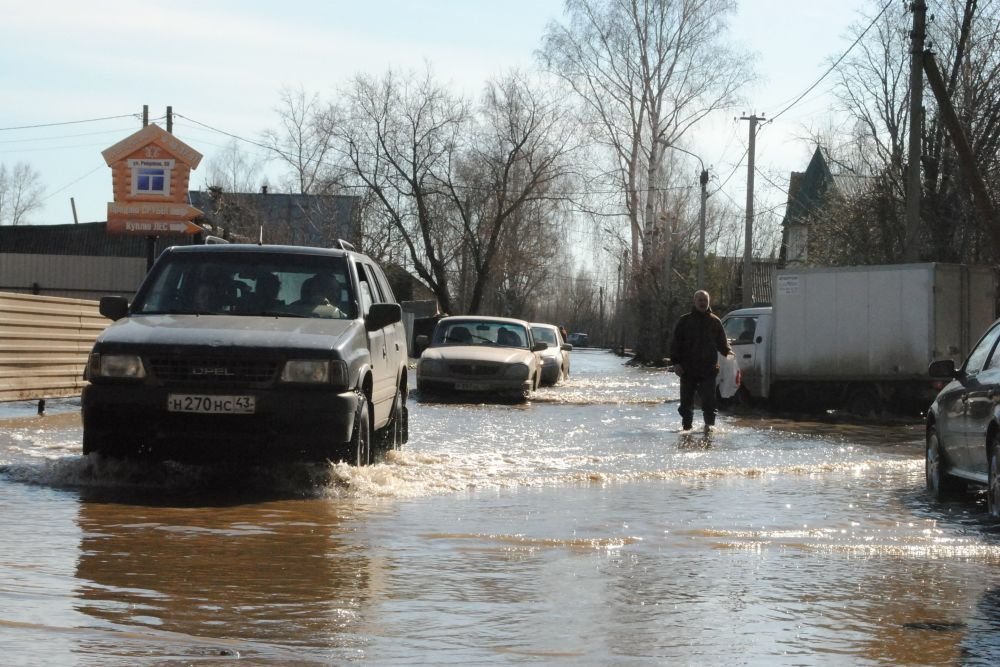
[{"x": 132, "y": 420}]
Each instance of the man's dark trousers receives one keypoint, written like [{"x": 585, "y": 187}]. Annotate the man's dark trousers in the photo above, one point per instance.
[{"x": 706, "y": 390}]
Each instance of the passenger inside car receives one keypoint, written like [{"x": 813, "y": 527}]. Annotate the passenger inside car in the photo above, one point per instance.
[
  {"x": 313, "y": 301},
  {"x": 266, "y": 293},
  {"x": 508, "y": 338},
  {"x": 749, "y": 328},
  {"x": 206, "y": 298},
  {"x": 458, "y": 335}
]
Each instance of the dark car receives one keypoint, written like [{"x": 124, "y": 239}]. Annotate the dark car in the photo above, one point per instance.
[
  {"x": 246, "y": 352},
  {"x": 963, "y": 424}
]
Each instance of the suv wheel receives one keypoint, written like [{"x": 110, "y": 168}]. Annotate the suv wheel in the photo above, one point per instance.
[
  {"x": 393, "y": 435},
  {"x": 360, "y": 450}
]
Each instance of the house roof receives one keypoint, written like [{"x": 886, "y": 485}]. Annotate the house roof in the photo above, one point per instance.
[
  {"x": 807, "y": 189},
  {"x": 152, "y": 134},
  {"x": 316, "y": 219}
]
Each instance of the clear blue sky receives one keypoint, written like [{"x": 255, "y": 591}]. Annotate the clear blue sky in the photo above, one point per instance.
[{"x": 223, "y": 63}]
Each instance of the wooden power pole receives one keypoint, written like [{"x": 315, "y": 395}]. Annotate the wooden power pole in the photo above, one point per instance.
[
  {"x": 910, "y": 245},
  {"x": 748, "y": 237}
]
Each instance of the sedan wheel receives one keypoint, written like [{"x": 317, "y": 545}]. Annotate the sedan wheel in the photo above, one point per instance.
[
  {"x": 940, "y": 484},
  {"x": 993, "y": 487}
]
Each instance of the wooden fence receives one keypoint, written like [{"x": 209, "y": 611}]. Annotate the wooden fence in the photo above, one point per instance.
[{"x": 44, "y": 343}]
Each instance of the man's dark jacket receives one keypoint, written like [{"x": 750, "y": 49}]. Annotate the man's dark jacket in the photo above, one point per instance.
[{"x": 698, "y": 338}]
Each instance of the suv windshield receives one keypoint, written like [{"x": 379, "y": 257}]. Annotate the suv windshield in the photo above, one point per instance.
[{"x": 249, "y": 284}]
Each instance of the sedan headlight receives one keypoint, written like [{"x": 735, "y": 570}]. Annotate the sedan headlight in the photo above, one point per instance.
[
  {"x": 431, "y": 367},
  {"x": 516, "y": 372},
  {"x": 115, "y": 366},
  {"x": 315, "y": 371}
]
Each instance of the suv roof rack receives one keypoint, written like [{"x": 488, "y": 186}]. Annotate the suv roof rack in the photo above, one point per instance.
[
  {"x": 212, "y": 240},
  {"x": 344, "y": 245}
]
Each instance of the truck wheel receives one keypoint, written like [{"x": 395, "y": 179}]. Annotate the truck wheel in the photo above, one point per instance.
[
  {"x": 360, "y": 449},
  {"x": 940, "y": 484},
  {"x": 993, "y": 484}
]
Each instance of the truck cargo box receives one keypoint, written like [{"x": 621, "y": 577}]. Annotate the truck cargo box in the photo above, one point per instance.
[{"x": 877, "y": 322}]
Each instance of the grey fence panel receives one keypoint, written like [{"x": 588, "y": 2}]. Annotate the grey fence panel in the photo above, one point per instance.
[{"x": 44, "y": 343}]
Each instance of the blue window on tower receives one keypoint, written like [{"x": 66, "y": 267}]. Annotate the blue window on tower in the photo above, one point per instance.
[{"x": 151, "y": 181}]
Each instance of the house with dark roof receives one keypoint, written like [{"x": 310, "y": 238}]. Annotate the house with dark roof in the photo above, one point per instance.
[
  {"x": 294, "y": 219},
  {"x": 809, "y": 192}
]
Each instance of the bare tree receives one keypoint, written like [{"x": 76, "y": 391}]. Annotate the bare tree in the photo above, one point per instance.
[
  {"x": 458, "y": 184},
  {"x": 400, "y": 140},
  {"x": 234, "y": 170},
  {"x": 305, "y": 140},
  {"x": 509, "y": 177},
  {"x": 21, "y": 192},
  {"x": 647, "y": 71},
  {"x": 874, "y": 89}
]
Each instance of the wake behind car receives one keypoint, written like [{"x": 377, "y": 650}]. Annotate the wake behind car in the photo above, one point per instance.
[
  {"x": 478, "y": 354},
  {"x": 963, "y": 424},
  {"x": 250, "y": 352},
  {"x": 555, "y": 357}
]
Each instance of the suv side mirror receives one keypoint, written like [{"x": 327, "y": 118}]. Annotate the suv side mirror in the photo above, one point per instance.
[
  {"x": 566, "y": 347},
  {"x": 539, "y": 347},
  {"x": 382, "y": 315},
  {"x": 944, "y": 369},
  {"x": 113, "y": 307}
]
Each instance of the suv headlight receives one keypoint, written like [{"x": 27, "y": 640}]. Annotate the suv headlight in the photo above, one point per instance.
[
  {"x": 516, "y": 372},
  {"x": 315, "y": 371},
  {"x": 115, "y": 366}
]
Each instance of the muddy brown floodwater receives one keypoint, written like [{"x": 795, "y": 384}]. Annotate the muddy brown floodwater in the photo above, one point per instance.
[{"x": 580, "y": 529}]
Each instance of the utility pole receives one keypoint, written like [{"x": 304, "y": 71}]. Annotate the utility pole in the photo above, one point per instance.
[
  {"x": 703, "y": 179},
  {"x": 913, "y": 187},
  {"x": 748, "y": 240}
]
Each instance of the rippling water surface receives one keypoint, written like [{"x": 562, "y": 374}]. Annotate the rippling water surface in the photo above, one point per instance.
[{"x": 581, "y": 528}]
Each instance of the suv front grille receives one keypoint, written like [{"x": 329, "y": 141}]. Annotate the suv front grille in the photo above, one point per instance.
[{"x": 217, "y": 371}]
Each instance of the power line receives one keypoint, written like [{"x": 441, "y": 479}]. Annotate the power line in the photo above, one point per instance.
[
  {"x": 73, "y": 182},
  {"x": 68, "y": 122},
  {"x": 835, "y": 64},
  {"x": 362, "y": 187}
]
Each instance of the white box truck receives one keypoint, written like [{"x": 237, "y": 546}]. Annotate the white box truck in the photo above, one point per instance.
[{"x": 860, "y": 338}]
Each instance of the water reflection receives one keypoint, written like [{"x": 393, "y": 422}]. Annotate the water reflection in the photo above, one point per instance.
[{"x": 271, "y": 581}]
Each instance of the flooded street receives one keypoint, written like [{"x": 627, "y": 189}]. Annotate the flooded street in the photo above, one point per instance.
[{"x": 581, "y": 528}]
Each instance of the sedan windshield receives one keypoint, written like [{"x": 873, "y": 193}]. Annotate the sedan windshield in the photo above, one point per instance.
[
  {"x": 474, "y": 332},
  {"x": 249, "y": 284},
  {"x": 545, "y": 335}
]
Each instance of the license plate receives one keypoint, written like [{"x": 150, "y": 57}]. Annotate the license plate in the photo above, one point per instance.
[
  {"x": 471, "y": 386},
  {"x": 211, "y": 404}
]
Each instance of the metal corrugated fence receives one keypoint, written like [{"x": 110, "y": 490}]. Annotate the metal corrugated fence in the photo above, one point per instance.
[{"x": 44, "y": 343}]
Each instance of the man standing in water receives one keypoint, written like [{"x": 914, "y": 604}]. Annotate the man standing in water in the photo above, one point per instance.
[{"x": 698, "y": 340}]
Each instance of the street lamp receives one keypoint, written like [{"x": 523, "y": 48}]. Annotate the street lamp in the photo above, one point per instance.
[{"x": 703, "y": 179}]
